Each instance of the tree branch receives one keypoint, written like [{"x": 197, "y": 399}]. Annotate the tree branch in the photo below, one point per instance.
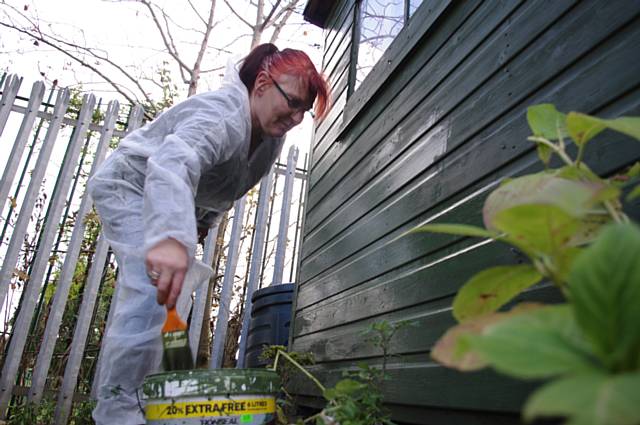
[
  {"x": 195, "y": 10},
  {"x": 115, "y": 85},
  {"x": 266, "y": 20},
  {"x": 203, "y": 47},
  {"x": 238, "y": 15},
  {"x": 166, "y": 42},
  {"x": 277, "y": 27}
]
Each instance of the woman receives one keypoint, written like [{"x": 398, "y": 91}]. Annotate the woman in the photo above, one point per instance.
[{"x": 171, "y": 179}]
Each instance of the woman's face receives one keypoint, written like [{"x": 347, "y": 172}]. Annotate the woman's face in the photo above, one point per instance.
[{"x": 278, "y": 103}]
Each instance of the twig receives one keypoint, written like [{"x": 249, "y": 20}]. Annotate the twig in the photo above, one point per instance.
[
  {"x": 553, "y": 147},
  {"x": 299, "y": 366}
]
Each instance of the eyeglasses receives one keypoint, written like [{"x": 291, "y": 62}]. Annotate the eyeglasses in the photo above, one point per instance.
[{"x": 294, "y": 104}]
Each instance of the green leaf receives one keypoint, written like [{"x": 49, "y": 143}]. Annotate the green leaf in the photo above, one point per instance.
[
  {"x": 537, "y": 229},
  {"x": 492, "y": 288},
  {"x": 349, "y": 386},
  {"x": 583, "y": 128},
  {"x": 577, "y": 172},
  {"x": 625, "y": 125},
  {"x": 634, "y": 194},
  {"x": 537, "y": 344},
  {"x": 605, "y": 289},
  {"x": 453, "y": 349},
  {"x": 634, "y": 171},
  {"x": 544, "y": 153},
  {"x": 574, "y": 197},
  {"x": 330, "y": 394},
  {"x": 596, "y": 399},
  {"x": 546, "y": 121},
  {"x": 457, "y": 229}
]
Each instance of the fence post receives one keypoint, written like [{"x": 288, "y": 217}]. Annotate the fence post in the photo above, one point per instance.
[
  {"x": 134, "y": 122},
  {"x": 20, "y": 228},
  {"x": 256, "y": 262},
  {"x": 220, "y": 331},
  {"x": 32, "y": 289},
  {"x": 11, "y": 87},
  {"x": 200, "y": 301},
  {"x": 281, "y": 246},
  {"x": 76, "y": 352},
  {"x": 68, "y": 269},
  {"x": 37, "y": 93}
]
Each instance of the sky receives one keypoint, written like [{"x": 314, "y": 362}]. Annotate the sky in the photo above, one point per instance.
[{"x": 128, "y": 36}]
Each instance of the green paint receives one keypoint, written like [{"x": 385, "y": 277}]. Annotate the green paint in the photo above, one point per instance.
[
  {"x": 204, "y": 382},
  {"x": 177, "y": 353},
  {"x": 202, "y": 393}
]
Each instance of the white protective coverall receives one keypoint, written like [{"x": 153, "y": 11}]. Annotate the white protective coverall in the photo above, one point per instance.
[{"x": 179, "y": 172}]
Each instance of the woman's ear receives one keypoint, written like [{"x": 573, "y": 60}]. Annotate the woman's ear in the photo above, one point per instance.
[{"x": 262, "y": 82}]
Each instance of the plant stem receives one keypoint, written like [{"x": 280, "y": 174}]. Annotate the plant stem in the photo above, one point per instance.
[
  {"x": 299, "y": 366},
  {"x": 618, "y": 217},
  {"x": 561, "y": 153},
  {"x": 580, "y": 153}
]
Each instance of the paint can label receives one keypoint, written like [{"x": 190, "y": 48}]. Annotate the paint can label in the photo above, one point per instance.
[{"x": 233, "y": 410}]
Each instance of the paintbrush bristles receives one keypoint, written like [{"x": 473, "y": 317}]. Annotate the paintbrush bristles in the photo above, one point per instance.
[
  {"x": 173, "y": 322},
  {"x": 175, "y": 341}
]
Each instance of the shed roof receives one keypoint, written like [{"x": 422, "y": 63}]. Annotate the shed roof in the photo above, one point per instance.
[{"x": 317, "y": 11}]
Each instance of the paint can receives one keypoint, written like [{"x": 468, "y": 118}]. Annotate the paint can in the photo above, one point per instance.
[{"x": 211, "y": 397}]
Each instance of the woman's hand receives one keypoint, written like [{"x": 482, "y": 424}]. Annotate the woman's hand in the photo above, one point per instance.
[{"x": 168, "y": 262}]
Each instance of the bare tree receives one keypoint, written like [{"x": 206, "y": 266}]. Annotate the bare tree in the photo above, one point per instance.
[
  {"x": 277, "y": 17},
  {"x": 201, "y": 54}
]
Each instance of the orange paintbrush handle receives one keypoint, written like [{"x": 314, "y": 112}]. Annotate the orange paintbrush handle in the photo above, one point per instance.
[{"x": 173, "y": 322}]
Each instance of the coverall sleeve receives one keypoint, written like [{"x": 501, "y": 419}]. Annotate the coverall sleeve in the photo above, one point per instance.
[{"x": 202, "y": 136}]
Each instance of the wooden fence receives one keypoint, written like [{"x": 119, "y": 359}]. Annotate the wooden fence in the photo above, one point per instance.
[{"x": 57, "y": 274}]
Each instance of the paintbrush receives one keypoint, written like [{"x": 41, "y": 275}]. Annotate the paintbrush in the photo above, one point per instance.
[{"x": 175, "y": 342}]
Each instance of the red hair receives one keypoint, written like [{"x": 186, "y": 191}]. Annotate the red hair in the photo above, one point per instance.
[{"x": 267, "y": 57}]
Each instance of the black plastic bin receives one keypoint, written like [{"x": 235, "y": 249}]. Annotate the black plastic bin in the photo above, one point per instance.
[{"x": 270, "y": 320}]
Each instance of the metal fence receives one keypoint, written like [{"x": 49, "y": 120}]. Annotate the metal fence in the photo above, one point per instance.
[{"x": 57, "y": 275}]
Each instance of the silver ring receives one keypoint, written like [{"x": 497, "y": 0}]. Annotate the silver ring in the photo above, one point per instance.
[{"x": 153, "y": 274}]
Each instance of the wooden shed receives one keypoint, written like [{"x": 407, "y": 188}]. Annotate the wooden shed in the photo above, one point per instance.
[{"x": 429, "y": 104}]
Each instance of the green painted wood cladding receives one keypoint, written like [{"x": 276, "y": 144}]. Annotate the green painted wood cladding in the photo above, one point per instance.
[{"x": 426, "y": 136}]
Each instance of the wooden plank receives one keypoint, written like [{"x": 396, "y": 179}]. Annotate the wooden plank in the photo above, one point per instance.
[
  {"x": 338, "y": 23},
  {"x": 459, "y": 36},
  {"x": 328, "y": 128},
  {"x": 614, "y": 87},
  {"x": 416, "y": 381},
  {"x": 421, "y": 203},
  {"x": 454, "y": 72},
  {"x": 424, "y": 22},
  {"x": 470, "y": 114},
  {"x": 430, "y": 277},
  {"x": 337, "y": 79},
  {"x": 330, "y": 121},
  {"x": 402, "y": 414},
  {"x": 338, "y": 100},
  {"x": 344, "y": 47},
  {"x": 343, "y": 340}
]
